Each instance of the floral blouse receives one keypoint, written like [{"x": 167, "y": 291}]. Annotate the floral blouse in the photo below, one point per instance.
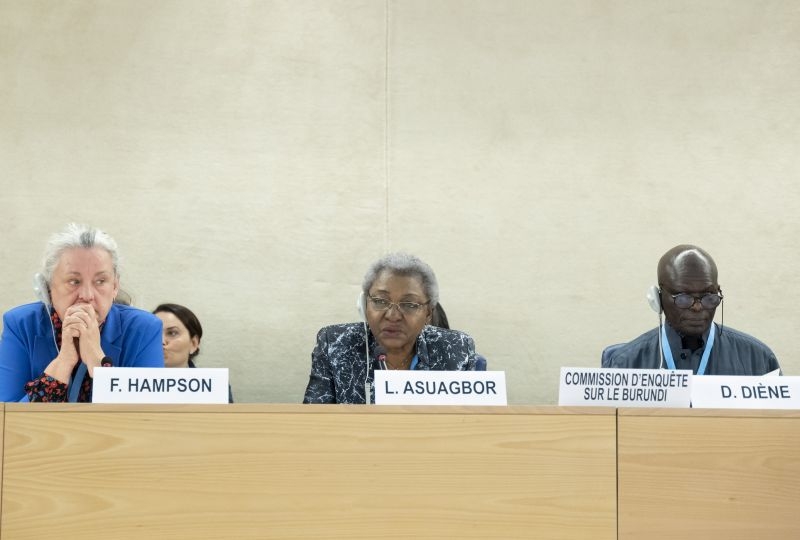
[{"x": 47, "y": 389}]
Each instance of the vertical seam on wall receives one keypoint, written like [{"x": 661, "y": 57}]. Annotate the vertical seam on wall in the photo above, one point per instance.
[{"x": 386, "y": 167}]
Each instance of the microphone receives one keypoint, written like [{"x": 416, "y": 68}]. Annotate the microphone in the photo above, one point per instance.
[{"x": 380, "y": 357}]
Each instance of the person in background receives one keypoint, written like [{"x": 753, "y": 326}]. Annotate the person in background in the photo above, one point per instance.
[
  {"x": 688, "y": 294},
  {"x": 439, "y": 319},
  {"x": 181, "y": 337},
  {"x": 49, "y": 349},
  {"x": 399, "y": 295}
]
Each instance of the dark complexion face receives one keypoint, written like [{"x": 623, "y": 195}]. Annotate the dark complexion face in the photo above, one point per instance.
[
  {"x": 395, "y": 331},
  {"x": 690, "y": 273}
]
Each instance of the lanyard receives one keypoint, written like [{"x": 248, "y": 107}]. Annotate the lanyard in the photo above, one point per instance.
[
  {"x": 77, "y": 382},
  {"x": 706, "y": 353}
]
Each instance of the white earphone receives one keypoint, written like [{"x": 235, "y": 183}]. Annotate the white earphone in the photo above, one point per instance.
[
  {"x": 362, "y": 313},
  {"x": 41, "y": 289},
  {"x": 361, "y": 306},
  {"x": 654, "y": 298},
  {"x": 654, "y": 301}
]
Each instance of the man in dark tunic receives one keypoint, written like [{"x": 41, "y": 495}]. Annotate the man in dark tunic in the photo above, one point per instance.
[{"x": 688, "y": 295}]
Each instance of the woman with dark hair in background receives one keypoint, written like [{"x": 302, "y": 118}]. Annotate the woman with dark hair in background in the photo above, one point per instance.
[
  {"x": 439, "y": 319},
  {"x": 181, "y": 337}
]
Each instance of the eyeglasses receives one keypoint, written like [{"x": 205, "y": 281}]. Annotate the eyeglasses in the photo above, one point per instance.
[
  {"x": 406, "y": 308},
  {"x": 686, "y": 300}
]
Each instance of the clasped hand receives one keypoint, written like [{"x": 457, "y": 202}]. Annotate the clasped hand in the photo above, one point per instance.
[{"x": 80, "y": 340}]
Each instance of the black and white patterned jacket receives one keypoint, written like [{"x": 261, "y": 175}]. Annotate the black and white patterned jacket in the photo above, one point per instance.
[{"x": 339, "y": 360}]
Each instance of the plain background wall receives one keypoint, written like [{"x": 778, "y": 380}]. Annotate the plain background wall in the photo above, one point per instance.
[{"x": 252, "y": 158}]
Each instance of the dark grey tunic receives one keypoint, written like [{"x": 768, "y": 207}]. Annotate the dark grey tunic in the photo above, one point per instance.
[
  {"x": 339, "y": 364},
  {"x": 733, "y": 353}
]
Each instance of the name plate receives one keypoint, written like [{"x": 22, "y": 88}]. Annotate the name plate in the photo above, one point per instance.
[
  {"x": 603, "y": 387},
  {"x": 160, "y": 385},
  {"x": 745, "y": 392},
  {"x": 403, "y": 387}
]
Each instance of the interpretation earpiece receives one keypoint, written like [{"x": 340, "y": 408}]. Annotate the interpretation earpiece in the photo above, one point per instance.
[
  {"x": 41, "y": 289},
  {"x": 654, "y": 298},
  {"x": 361, "y": 307}
]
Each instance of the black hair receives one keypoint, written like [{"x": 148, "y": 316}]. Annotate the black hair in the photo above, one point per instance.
[{"x": 189, "y": 320}]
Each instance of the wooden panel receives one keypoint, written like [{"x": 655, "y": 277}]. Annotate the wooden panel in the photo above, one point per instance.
[
  {"x": 709, "y": 474},
  {"x": 281, "y": 471},
  {"x": 2, "y": 430}
]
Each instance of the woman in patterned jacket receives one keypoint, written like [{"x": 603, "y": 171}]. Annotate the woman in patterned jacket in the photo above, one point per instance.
[{"x": 399, "y": 294}]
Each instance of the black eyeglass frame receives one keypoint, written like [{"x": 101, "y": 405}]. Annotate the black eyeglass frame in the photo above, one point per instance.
[{"x": 707, "y": 300}]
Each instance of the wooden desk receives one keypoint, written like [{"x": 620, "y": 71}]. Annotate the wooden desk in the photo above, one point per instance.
[
  {"x": 706, "y": 474},
  {"x": 2, "y": 431},
  {"x": 294, "y": 471}
]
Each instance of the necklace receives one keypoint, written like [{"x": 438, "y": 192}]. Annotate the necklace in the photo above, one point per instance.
[{"x": 405, "y": 364}]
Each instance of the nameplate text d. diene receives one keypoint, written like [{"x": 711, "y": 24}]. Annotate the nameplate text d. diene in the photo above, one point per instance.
[{"x": 745, "y": 392}]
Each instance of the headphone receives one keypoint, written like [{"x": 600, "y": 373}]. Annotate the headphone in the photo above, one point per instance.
[
  {"x": 654, "y": 300},
  {"x": 41, "y": 289},
  {"x": 361, "y": 307}
]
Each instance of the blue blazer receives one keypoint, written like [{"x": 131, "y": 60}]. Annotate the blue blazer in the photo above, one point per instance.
[
  {"x": 130, "y": 337},
  {"x": 339, "y": 363}
]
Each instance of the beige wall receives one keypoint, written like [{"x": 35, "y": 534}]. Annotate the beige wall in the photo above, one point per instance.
[{"x": 252, "y": 158}]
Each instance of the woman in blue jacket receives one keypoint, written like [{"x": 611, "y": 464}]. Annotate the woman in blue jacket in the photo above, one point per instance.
[{"x": 49, "y": 349}]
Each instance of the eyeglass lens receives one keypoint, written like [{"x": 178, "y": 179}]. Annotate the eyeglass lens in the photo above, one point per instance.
[
  {"x": 708, "y": 300},
  {"x": 380, "y": 304}
]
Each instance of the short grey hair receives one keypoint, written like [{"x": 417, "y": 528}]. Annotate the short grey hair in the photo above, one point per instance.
[
  {"x": 404, "y": 264},
  {"x": 76, "y": 235}
]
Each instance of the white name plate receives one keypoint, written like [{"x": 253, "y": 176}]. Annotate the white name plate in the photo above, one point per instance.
[
  {"x": 160, "y": 385},
  {"x": 745, "y": 392},
  {"x": 603, "y": 387},
  {"x": 403, "y": 387}
]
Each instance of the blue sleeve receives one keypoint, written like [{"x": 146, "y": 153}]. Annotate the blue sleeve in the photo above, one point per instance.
[
  {"x": 140, "y": 339},
  {"x": 15, "y": 362},
  {"x": 147, "y": 350}
]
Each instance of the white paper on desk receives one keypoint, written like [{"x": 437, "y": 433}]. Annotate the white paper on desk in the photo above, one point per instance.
[
  {"x": 411, "y": 387},
  {"x": 614, "y": 387},
  {"x": 160, "y": 385},
  {"x": 745, "y": 392}
]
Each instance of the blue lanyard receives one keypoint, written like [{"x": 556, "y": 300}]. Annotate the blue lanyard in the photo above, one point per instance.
[
  {"x": 706, "y": 353},
  {"x": 414, "y": 362},
  {"x": 76, "y": 383}
]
